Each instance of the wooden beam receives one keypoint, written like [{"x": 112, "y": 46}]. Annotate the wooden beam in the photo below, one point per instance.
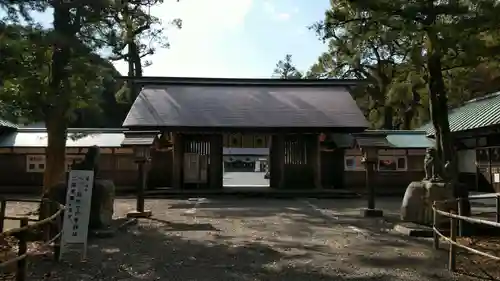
[
  {"x": 178, "y": 161},
  {"x": 216, "y": 169},
  {"x": 277, "y": 165}
]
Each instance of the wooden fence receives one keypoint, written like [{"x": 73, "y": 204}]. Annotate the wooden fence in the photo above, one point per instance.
[
  {"x": 22, "y": 233},
  {"x": 456, "y": 224}
]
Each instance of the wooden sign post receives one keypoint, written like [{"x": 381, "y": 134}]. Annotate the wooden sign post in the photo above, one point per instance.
[{"x": 77, "y": 213}]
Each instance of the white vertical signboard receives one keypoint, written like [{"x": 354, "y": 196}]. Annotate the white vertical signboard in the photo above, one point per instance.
[{"x": 77, "y": 213}]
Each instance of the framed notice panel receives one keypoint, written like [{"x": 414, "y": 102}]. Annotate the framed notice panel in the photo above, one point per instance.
[{"x": 77, "y": 213}]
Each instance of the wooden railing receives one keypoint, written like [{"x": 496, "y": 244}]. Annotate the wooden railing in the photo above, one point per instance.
[
  {"x": 22, "y": 233},
  {"x": 456, "y": 225}
]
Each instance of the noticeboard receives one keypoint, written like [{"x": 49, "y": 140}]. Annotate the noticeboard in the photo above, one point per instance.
[{"x": 77, "y": 213}]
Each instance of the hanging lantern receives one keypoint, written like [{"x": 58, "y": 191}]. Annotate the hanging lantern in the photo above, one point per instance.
[{"x": 322, "y": 137}]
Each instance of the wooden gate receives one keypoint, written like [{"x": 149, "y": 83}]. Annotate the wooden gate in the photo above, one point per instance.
[
  {"x": 197, "y": 145},
  {"x": 297, "y": 172}
]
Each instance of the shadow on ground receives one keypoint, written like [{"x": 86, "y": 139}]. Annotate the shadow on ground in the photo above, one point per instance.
[
  {"x": 160, "y": 249},
  {"x": 152, "y": 255}
]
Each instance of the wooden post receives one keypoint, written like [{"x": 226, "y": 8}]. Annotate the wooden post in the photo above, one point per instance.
[
  {"x": 22, "y": 249},
  {"x": 141, "y": 185},
  {"x": 178, "y": 161},
  {"x": 314, "y": 159},
  {"x": 498, "y": 208},
  {"x": 216, "y": 165},
  {"x": 370, "y": 160},
  {"x": 453, "y": 249},
  {"x": 46, "y": 206},
  {"x": 460, "y": 213},
  {"x": 3, "y": 206},
  {"x": 57, "y": 243},
  {"x": 277, "y": 164},
  {"x": 369, "y": 185},
  {"x": 435, "y": 225}
]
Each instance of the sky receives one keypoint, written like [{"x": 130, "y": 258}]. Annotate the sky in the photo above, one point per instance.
[
  {"x": 236, "y": 38},
  {"x": 233, "y": 38}
]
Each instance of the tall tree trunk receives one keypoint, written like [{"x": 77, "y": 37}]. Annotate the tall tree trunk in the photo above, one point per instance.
[
  {"x": 56, "y": 152},
  {"x": 408, "y": 115},
  {"x": 439, "y": 115},
  {"x": 388, "y": 118},
  {"x": 55, "y": 115},
  {"x": 439, "y": 101},
  {"x": 134, "y": 53}
]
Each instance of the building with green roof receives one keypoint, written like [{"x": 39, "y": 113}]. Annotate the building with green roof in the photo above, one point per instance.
[
  {"x": 480, "y": 116},
  {"x": 475, "y": 127}
]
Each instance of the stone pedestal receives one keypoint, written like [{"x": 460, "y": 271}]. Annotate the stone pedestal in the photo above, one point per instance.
[
  {"x": 418, "y": 200},
  {"x": 137, "y": 214},
  {"x": 102, "y": 202},
  {"x": 102, "y": 209},
  {"x": 414, "y": 229},
  {"x": 372, "y": 213}
]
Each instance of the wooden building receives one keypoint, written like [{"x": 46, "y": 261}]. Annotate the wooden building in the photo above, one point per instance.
[
  {"x": 475, "y": 127},
  {"x": 197, "y": 113},
  {"x": 22, "y": 156},
  {"x": 400, "y": 158}
]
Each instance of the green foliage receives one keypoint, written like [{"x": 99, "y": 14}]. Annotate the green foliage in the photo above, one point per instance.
[
  {"x": 285, "y": 69},
  {"x": 133, "y": 34},
  {"x": 388, "y": 43},
  {"x": 86, "y": 82},
  {"x": 25, "y": 71}
]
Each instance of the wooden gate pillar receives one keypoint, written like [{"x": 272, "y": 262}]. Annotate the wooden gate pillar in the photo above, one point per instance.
[
  {"x": 178, "y": 161},
  {"x": 277, "y": 165},
  {"x": 216, "y": 165},
  {"x": 314, "y": 159}
]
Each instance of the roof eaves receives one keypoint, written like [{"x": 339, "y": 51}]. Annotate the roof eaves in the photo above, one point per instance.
[
  {"x": 75, "y": 130},
  {"x": 240, "y": 81}
]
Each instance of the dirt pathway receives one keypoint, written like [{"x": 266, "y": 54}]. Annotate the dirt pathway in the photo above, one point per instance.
[{"x": 243, "y": 239}]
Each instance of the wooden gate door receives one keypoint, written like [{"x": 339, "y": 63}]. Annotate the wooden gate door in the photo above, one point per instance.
[
  {"x": 197, "y": 146},
  {"x": 298, "y": 174}
]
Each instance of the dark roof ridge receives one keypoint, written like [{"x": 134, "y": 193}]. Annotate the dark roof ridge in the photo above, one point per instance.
[
  {"x": 488, "y": 96},
  {"x": 76, "y": 130},
  {"x": 394, "y": 132},
  {"x": 206, "y": 81}
]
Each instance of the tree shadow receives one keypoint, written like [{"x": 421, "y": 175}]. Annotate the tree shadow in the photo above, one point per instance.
[
  {"x": 158, "y": 249},
  {"x": 146, "y": 253},
  {"x": 174, "y": 226},
  {"x": 303, "y": 223}
]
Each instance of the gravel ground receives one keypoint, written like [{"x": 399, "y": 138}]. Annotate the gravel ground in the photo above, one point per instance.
[{"x": 248, "y": 239}]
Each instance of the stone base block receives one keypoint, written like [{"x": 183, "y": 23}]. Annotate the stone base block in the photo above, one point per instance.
[
  {"x": 414, "y": 229},
  {"x": 372, "y": 213},
  {"x": 116, "y": 226},
  {"x": 419, "y": 197},
  {"x": 137, "y": 214}
]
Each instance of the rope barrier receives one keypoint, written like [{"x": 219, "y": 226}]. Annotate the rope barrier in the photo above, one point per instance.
[
  {"x": 21, "y": 231},
  {"x": 35, "y": 225},
  {"x": 454, "y": 218}
]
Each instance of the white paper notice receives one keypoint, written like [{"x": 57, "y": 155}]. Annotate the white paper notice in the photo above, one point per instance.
[
  {"x": 77, "y": 213},
  {"x": 496, "y": 178}
]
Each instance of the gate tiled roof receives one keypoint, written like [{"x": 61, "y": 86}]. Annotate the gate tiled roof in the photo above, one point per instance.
[{"x": 261, "y": 104}]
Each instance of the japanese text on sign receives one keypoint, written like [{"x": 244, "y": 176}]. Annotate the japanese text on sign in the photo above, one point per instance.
[{"x": 78, "y": 199}]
